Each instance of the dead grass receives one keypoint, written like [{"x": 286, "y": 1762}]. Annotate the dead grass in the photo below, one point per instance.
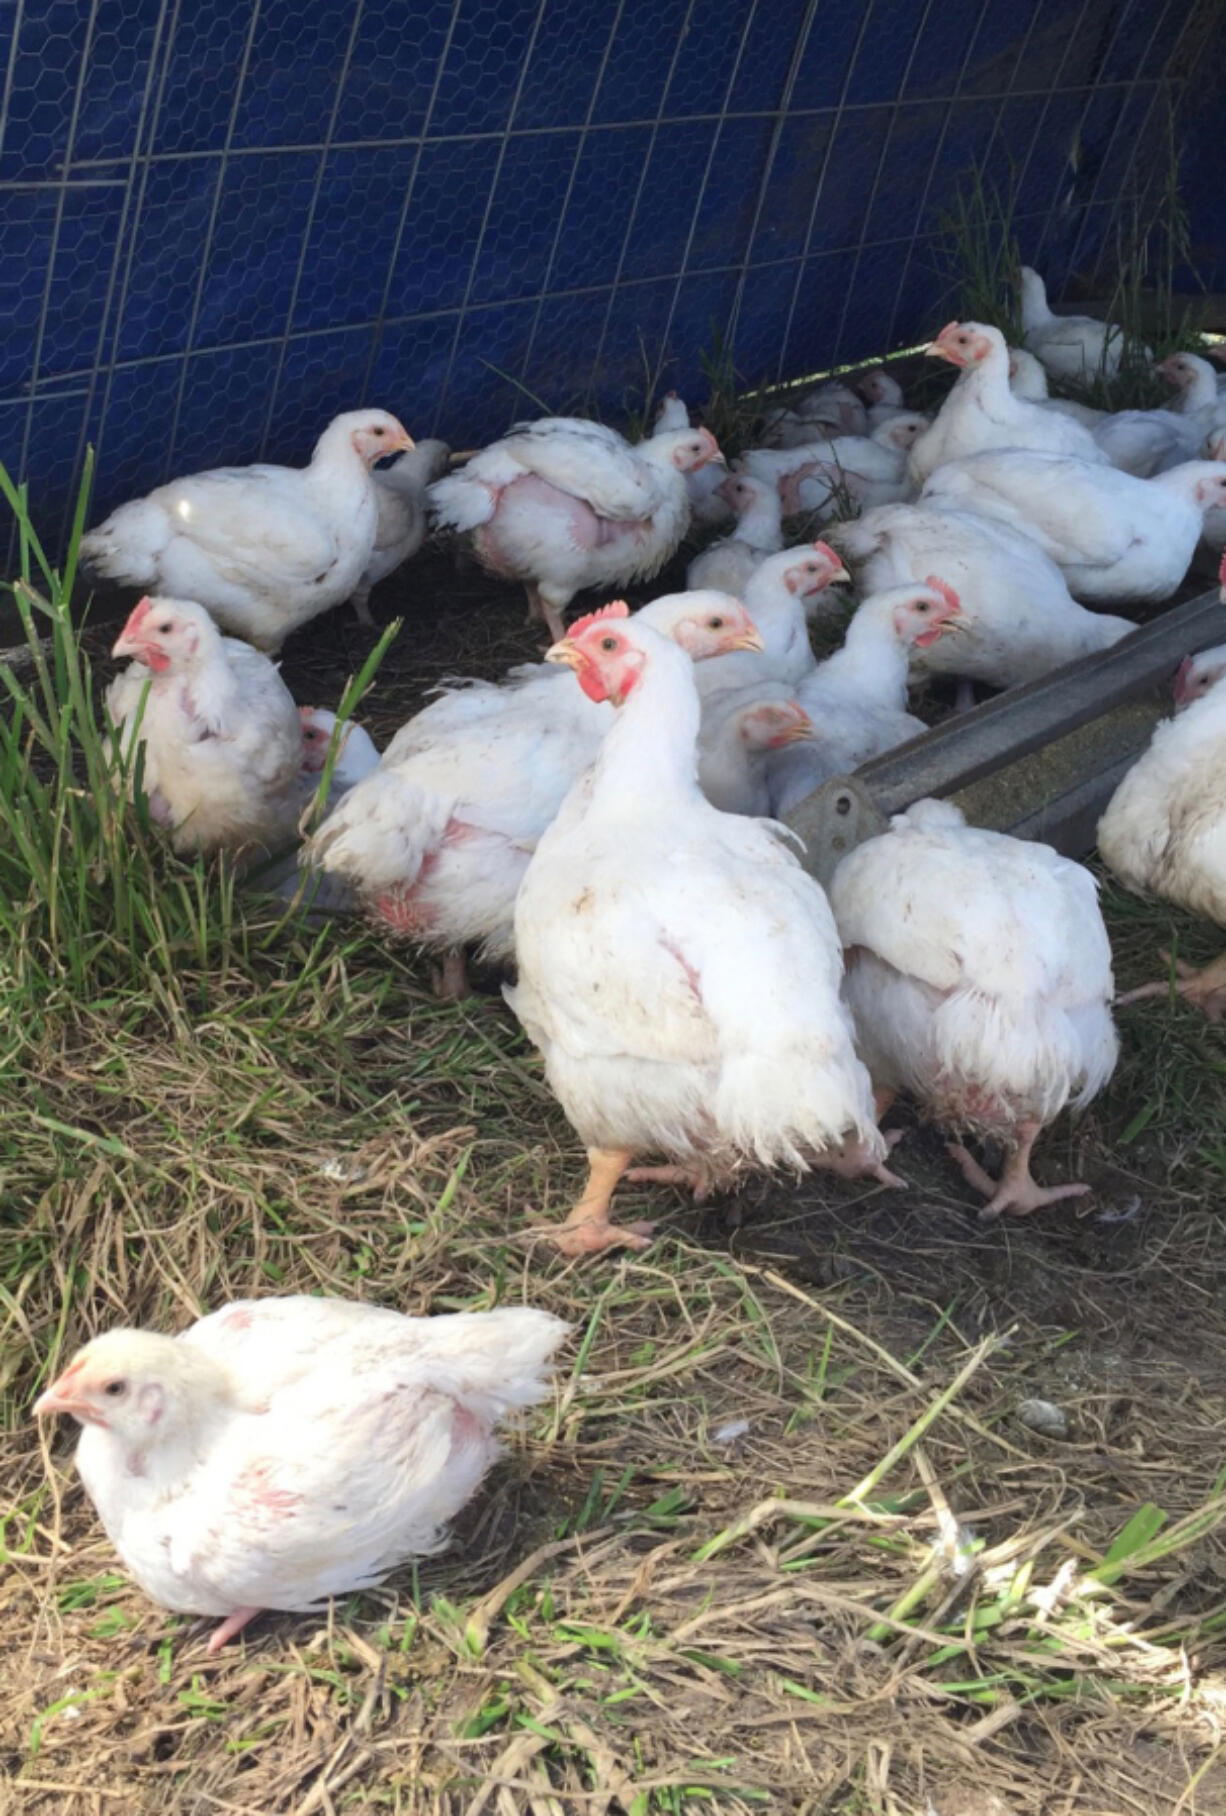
[{"x": 780, "y": 1543}]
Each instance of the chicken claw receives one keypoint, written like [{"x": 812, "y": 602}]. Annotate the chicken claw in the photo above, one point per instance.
[
  {"x": 1205, "y": 988},
  {"x": 1016, "y": 1191},
  {"x": 588, "y": 1230},
  {"x": 691, "y": 1179}
]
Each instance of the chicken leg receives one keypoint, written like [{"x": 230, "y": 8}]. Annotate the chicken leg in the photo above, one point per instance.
[
  {"x": 451, "y": 983},
  {"x": 1204, "y": 989},
  {"x": 587, "y": 1230},
  {"x": 1016, "y": 1191},
  {"x": 233, "y": 1623},
  {"x": 539, "y": 609}
]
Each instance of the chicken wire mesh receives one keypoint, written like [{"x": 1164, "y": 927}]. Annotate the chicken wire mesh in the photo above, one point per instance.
[{"x": 224, "y": 220}]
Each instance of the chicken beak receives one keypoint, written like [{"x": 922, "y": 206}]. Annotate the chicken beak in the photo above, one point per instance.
[
  {"x": 405, "y": 445},
  {"x": 840, "y": 573},
  {"x": 750, "y": 639},
  {"x": 126, "y": 646},
  {"x": 935, "y": 350},
  {"x": 59, "y": 1398},
  {"x": 564, "y": 652}
]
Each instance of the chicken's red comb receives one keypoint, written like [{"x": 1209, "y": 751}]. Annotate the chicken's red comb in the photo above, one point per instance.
[
  {"x": 945, "y": 330},
  {"x": 945, "y": 590},
  {"x": 1180, "y": 683},
  {"x": 617, "y": 609},
  {"x": 824, "y": 549},
  {"x": 136, "y": 617}
]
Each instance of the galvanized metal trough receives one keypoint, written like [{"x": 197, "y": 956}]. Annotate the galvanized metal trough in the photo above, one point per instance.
[{"x": 1040, "y": 761}]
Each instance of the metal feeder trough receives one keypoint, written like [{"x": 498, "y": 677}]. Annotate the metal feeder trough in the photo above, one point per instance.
[{"x": 1040, "y": 761}]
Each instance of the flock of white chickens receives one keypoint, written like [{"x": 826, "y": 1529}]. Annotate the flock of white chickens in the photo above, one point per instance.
[{"x": 611, "y": 834}]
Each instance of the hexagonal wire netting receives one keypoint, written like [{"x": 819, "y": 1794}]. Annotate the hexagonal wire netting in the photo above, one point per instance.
[{"x": 224, "y": 220}]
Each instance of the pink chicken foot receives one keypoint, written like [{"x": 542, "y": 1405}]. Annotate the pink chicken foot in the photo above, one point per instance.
[
  {"x": 232, "y": 1625},
  {"x": 1205, "y": 989},
  {"x": 587, "y": 1230},
  {"x": 1016, "y": 1191}
]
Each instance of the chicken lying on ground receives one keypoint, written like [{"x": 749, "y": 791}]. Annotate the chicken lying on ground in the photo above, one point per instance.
[
  {"x": 677, "y": 969},
  {"x": 982, "y": 412},
  {"x": 264, "y": 549},
  {"x": 1115, "y": 538},
  {"x": 979, "y": 974},
  {"x": 862, "y": 470},
  {"x": 730, "y": 564},
  {"x": 857, "y": 698},
  {"x": 286, "y": 1450},
  {"x": 436, "y": 839},
  {"x": 738, "y": 734},
  {"x": 563, "y": 504},
  {"x": 1018, "y": 620},
  {"x": 1072, "y": 347},
  {"x": 401, "y": 522},
  {"x": 221, "y": 736},
  {"x": 1164, "y": 833}
]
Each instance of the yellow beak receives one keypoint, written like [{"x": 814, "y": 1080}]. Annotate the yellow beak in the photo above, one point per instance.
[
  {"x": 839, "y": 574},
  {"x": 750, "y": 639},
  {"x": 564, "y": 652}
]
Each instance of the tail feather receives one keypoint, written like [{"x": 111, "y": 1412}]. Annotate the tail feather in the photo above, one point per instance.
[
  {"x": 493, "y": 1361},
  {"x": 380, "y": 833},
  {"x": 461, "y": 502},
  {"x": 125, "y": 548}
]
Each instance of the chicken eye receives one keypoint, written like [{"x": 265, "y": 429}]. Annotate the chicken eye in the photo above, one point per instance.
[
  {"x": 921, "y": 605},
  {"x": 163, "y": 630},
  {"x": 608, "y": 643},
  {"x": 378, "y": 430},
  {"x": 715, "y": 624},
  {"x": 116, "y": 1389}
]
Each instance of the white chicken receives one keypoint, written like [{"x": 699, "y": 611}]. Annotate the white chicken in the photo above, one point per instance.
[
  {"x": 1115, "y": 538},
  {"x": 401, "y": 522},
  {"x": 436, "y": 839},
  {"x": 982, "y": 412},
  {"x": 263, "y": 549},
  {"x": 739, "y": 730},
  {"x": 1197, "y": 384},
  {"x": 282, "y": 1451},
  {"x": 678, "y": 970},
  {"x": 883, "y": 394},
  {"x": 729, "y": 564},
  {"x": 357, "y": 753},
  {"x": 1164, "y": 831},
  {"x": 1018, "y": 620},
  {"x": 1197, "y": 674},
  {"x": 832, "y": 407},
  {"x": 979, "y": 974},
  {"x": 868, "y": 469},
  {"x": 1027, "y": 379},
  {"x": 563, "y": 504},
  {"x": 857, "y": 698},
  {"x": 219, "y": 730},
  {"x": 1072, "y": 347},
  {"x": 784, "y": 593},
  {"x": 708, "y": 505}
]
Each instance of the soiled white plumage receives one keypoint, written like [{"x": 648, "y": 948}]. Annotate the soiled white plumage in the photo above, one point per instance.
[
  {"x": 978, "y": 970},
  {"x": 1020, "y": 621},
  {"x": 857, "y": 698},
  {"x": 281, "y": 1451},
  {"x": 730, "y": 564},
  {"x": 221, "y": 734},
  {"x": 1069, "y": 346},
  {"x": 564, "y": 504},
  {"x": 264, "y": 548},
  {"x": 436, "y": 840},
  {"x": 982, "y": 412},
  {"x": 677, "y": 968},
  {"x": 1115, "y": 538}
]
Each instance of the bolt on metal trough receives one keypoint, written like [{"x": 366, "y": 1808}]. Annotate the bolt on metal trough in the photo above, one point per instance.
[{"x": 1040, "y": 761}]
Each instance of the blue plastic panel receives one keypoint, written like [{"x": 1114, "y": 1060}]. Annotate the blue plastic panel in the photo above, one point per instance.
[{"x": 221, "y": 222}]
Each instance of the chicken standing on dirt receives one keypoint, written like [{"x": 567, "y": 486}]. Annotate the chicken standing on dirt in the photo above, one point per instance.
[
  {"x": 979, "y": 973},
  {"x": 222, "y": 739},
  {"x": 436, "y": 839},
  {"x": 285, "y": 1450},
  {"x": 563, "y": 504},
  {"x": 1164, "y": 832},
  {"x": 677, "y": 969},
  {"x": 264, "y": 549}
]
